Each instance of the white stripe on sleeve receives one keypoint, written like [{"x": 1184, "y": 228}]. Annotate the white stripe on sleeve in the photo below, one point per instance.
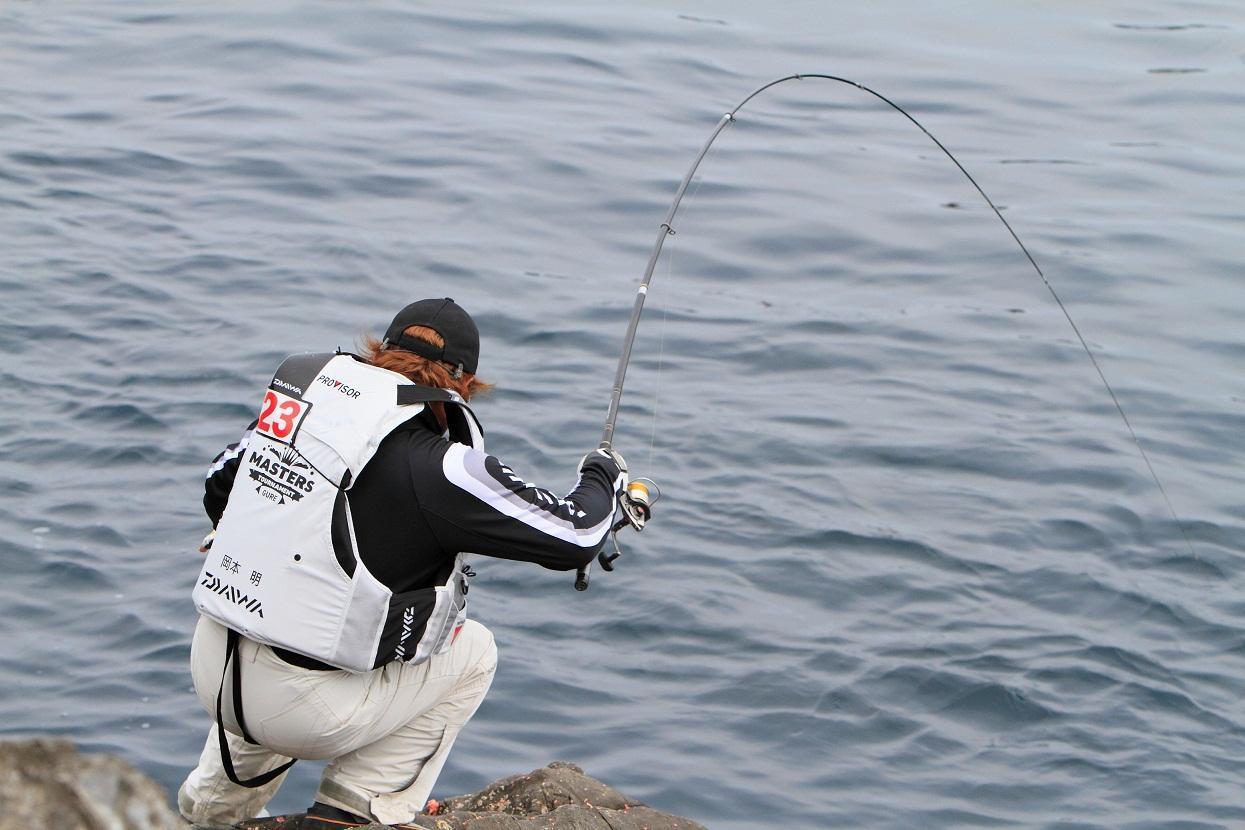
[
  {"x": 230, "y": 454},
  {"x": 464, "y": 467}
]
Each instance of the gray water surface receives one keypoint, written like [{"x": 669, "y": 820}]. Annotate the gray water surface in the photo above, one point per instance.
[{"x": 910, "y": 569}]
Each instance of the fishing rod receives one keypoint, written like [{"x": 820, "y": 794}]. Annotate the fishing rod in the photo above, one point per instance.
[{"x": 667, "y": 229}]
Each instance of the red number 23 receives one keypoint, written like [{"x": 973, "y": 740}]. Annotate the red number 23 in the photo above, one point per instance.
[{"x": 277, "y": 418}]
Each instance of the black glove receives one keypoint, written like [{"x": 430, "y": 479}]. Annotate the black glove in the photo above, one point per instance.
[{"x": 607, "y": 458}]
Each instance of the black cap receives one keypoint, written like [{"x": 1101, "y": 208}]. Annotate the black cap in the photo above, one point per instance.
[{"x": 446, "y": 318}]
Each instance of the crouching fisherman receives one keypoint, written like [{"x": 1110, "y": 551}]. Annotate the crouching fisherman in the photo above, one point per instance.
[{"x": 333, "y": 596}]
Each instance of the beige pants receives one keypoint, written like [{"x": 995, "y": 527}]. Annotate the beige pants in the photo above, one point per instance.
[{"x": 387, "y": 732}]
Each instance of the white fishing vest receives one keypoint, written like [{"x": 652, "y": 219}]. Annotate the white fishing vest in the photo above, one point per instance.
[{"x": 281, "y": 571}]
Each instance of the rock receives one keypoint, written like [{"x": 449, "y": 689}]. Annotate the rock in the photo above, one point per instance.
[
  {"x": 46, "y": 784},
  {"x": 542, "y": 791},
  {"x": 557, "y": 797}
]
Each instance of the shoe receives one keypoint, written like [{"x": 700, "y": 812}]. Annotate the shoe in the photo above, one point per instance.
[{"x": 324, "y": 817}]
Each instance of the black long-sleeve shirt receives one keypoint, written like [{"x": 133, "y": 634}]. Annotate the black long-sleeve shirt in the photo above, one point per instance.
[{"x": 424, "y": 498}]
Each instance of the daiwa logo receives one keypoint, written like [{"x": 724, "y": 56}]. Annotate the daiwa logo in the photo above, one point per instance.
[
  {"x": 289, "y": 387},
  {"x": 334, "y": 383},
  {"x": 408, "y": 625},
  {"x": 213, "y": 584}
]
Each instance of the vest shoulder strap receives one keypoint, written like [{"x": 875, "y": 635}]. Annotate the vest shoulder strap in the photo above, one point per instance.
[
  {"x": 297, "y": 372},
  {"x": 408, "y": 395}
]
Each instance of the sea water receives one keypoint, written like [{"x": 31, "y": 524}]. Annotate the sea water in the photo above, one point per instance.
[{"x": 909, "y": 570}]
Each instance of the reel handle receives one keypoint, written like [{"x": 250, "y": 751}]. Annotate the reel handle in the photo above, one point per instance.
[{"x": 637, "y": 508}]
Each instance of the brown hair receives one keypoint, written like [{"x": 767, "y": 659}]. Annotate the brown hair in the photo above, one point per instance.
[{"x": 420, "y": 369}]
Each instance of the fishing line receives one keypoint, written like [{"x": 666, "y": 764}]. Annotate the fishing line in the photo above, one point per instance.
[{"x": 667, "y": 229}]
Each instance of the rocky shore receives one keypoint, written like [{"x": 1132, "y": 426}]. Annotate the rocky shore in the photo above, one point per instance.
[{"x": 46, "y": 784}]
